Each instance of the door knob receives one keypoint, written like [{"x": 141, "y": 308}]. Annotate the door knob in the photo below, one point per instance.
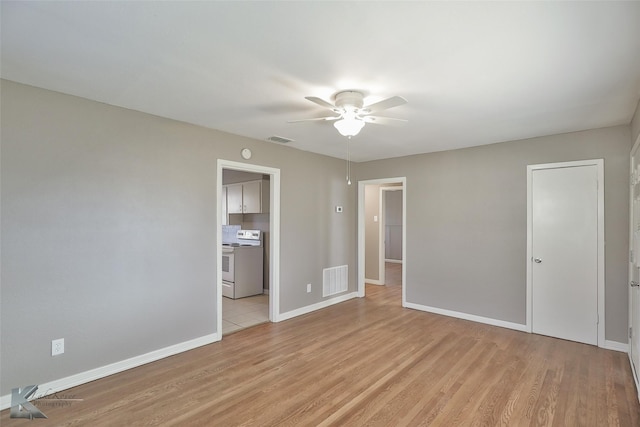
[
  {"x": 537, "y": 260},
  {"x": 634, "y": 284}
]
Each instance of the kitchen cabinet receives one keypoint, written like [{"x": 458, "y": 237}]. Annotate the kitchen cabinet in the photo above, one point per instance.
[
  {"x": 248, "y": 197},
  {"x": 234, "y": 198}
]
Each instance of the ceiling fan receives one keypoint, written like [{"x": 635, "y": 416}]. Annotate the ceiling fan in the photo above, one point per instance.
[{"x": 352, "y": 113}]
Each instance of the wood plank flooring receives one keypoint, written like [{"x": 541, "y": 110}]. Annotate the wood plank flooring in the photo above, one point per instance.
[
  {"x": 365, "y": 362},
  {"x": 392, "y": 273}
]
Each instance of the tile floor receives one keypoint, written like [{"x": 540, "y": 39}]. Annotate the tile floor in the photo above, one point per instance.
[{"x": 244, "y": 312}]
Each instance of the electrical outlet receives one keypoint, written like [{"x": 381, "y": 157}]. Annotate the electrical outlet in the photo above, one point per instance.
[
  {"x": 308, "y": 287},
  {"x": 57, "y": 347}
]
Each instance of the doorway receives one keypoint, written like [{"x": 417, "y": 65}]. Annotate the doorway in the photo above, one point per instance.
[
  {"x": 371, "y": 222},
  {"x": 272, "y": 244},
  {"x": 391, "y": 225},
  {"x": 565, "y": 250}
]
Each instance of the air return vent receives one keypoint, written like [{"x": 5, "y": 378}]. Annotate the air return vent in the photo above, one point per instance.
[
  {"x": 335, "y": 280},
  {"x": 280, "y": 139}
]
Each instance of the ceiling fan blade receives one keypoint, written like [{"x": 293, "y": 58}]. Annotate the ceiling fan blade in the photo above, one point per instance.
[
  {"x": 383, "y": 120},
  {"x": 314, "y": 120},
  {"x": 394, "y": 101},
  {"x": 321, "y": 102}
]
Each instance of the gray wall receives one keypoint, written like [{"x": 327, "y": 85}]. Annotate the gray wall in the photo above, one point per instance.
[
  {"x": 109, "y": 230},
  {"x": 393, "y": 224},
  {"x": 466, "y": 222},
  {"x": 371, "y": 232},
  {"x": 635, "y": 125}
]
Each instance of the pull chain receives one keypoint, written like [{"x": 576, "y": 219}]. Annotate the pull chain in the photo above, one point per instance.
[{"x": 348, "y": 162}]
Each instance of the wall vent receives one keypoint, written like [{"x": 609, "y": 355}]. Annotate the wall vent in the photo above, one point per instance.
[
  {"x": 335, "y": 280},
  {"x": 280, "y": 139}
]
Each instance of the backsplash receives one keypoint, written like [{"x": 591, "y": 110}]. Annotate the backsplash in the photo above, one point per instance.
[{"x": 229, "y": 233}]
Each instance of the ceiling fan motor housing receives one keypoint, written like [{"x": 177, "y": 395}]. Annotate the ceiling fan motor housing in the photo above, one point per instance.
[{"x": 349, "y": 100}]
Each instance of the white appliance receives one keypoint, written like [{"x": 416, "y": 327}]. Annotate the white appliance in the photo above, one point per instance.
[{"x": 242, "y": 260}]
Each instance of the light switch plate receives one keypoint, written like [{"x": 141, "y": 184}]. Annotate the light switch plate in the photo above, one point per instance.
[{"x": 339, "y": 209}]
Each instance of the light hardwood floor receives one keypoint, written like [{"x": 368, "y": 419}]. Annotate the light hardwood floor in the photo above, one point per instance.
[
  {"x": 366, "y": 362},
  {"x": 392, "y": 273}
]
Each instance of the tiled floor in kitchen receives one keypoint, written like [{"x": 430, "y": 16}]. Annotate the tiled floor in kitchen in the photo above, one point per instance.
[{"x": 244, "y": 312}]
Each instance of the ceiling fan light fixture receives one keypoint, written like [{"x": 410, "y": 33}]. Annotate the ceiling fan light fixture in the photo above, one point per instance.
[
  {"x": 349, "y": 126},
  {"x": 352, "y": 113}
]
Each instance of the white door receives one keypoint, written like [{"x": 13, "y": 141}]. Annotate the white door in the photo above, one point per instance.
[
  {"x": 634, "y": 261},
  {"x": 565, "y": 252}
]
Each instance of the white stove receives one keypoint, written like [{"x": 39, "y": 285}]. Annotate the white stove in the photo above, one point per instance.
[{"x": 242, "y": 263}]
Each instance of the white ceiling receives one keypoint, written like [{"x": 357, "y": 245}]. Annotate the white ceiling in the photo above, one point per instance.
[{"x": 473, "y": 72}]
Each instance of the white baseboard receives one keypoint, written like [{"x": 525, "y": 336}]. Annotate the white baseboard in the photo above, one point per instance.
[
  {"x": 265, "y": 291},
  {"x": 373, "y": 282},
  {"x": 466, "y": 316},
  {"x": 393, "y": 261},
  {"x": 317, "y": 306},
  {"x": 609, "y": 345},
  {"x": 616, "y": 346},
  {"x": 104, "y": 371}
]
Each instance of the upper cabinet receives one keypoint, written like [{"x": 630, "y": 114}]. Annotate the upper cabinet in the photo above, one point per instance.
[
  {"x": 248, "y": 197},
  {"x": 252, "y": 197},
  {"x": 234, "y": 198}
]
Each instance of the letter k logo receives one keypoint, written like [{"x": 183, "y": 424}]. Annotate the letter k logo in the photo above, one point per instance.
[{"x": 21, "y": 407}]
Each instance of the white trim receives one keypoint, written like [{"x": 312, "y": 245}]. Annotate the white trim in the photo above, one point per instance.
[
  {"x": 616, "y": 346},
  {"x": 599, "y": 163},
  {"x": 317, "y": 306},
  {"x": 373, "y": 282},
  {"x": 635, "y": 376},
  {"x": 265, "y": 291},
  {"x": 393, "y": 261},
  {"x": 274, "y": 241},
  {"x": 113, "y": 368},
  {"x": 361, "y": 232},
  {"x": 467, "y": 316},
  {"x": 635, "y": 147}
]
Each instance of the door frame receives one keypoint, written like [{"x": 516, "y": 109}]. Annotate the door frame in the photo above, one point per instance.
[
  {"x": 634, "y": 369},
  {"x": 382, "y": 259},
  {"x": 361, "y": 232},
  {"x": 274, "y": 241},
  {"x": 599, "y": 163}
]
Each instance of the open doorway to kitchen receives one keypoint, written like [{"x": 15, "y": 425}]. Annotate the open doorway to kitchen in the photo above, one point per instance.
[
  {"x": 248, "y": 245},
  {"x": 381, "y": 233}
]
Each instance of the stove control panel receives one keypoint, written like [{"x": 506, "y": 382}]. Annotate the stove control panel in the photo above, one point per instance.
[{"x": 248, "y": 234}]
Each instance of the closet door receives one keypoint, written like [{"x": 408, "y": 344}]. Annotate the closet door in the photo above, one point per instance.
[{"x": 565, "y": 252}]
